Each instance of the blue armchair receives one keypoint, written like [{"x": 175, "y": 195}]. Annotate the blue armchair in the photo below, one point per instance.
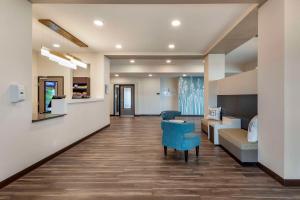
[
  {"x": 171, "y": 114},
  {"x": 180, "y": 136}
]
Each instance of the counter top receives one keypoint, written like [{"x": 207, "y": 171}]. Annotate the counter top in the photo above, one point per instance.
[{"x": 43, "y": 117}]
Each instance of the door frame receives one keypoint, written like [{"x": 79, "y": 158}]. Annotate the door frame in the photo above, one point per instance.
[
  {"x": 133, "y": 86},
  {"x": 114, "y": 91}
]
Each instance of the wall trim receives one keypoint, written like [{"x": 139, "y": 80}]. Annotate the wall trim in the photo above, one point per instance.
[
  {"x": 284, "y": 182},
  {"x": 25, "y": 171}
]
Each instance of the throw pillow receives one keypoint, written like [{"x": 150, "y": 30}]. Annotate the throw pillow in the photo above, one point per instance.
[
  {"x": 214, "y": 113},
  {"x": 252, "y": 130}
]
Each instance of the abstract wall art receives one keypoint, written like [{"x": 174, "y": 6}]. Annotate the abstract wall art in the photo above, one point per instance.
[{"x": 191, "y": 95}]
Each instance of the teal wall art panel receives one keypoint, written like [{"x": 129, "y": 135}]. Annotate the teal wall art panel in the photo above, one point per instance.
[{"x": 191, "y": 95}]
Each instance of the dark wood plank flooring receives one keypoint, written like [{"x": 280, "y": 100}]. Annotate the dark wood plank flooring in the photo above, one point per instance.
[{"x": 126, "y": 161}]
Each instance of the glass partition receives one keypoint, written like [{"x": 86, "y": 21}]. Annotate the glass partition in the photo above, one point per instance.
[{"x": 127, "y": 98}]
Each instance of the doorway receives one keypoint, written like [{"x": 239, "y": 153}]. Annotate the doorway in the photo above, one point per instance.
[
  {"x": 47, "y": 88},
  {"x": 124, "y": 102}
]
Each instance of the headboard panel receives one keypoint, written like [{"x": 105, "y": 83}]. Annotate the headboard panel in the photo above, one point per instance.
[{"x": 240, "y": 106}]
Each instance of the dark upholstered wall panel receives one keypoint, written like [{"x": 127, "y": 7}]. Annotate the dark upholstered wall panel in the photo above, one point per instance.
[{"x": 240, "y": 106}]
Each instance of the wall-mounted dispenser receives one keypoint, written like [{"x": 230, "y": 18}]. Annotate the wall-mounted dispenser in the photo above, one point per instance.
[{"x": 17, "y": 93}]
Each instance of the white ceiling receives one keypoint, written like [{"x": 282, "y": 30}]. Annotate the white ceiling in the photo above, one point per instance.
[
  {"x": 155, "y": 62},
  {"x": 156, "y": 66},
  {"x": 156, "y": 75},
  {"x": 243, "y": 55},
  {"x": 139, "y": 28}
]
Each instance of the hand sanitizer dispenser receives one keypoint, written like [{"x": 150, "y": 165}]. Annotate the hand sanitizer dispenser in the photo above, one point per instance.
[{"x": 17, "y": 93}]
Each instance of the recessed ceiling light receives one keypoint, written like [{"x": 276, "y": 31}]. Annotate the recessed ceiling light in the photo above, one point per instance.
[
  {"x": 184, "y": 75},
  {"x": 176, "y": 23},
  {"x": 56, "y": 45},
  {"x": 171, "y": 46},
  {"x": 119, "y": 46},
  {"x": 132, "y": 61},
  {"x": 116, "y": 75},
  {"x": 98, "y": 23},
  {"x": 150, "y": 75},
  {"x": 168, "y": 61}
]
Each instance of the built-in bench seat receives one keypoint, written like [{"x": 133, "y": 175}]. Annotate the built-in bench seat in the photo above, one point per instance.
[{"x": 235, "y": 142}]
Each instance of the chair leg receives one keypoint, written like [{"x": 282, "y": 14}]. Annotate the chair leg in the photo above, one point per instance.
[
  {"x": 165, "y": 150},
  {"x": 186, "y": 156},
  {"x": 197, "y": 151}
]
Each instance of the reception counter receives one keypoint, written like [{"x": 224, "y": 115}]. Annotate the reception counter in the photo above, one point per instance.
[{"x": 60, "y": 108}]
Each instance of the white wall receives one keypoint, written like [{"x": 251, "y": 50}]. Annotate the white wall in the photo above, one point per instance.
[
  {"x": 249, "y": 66},
  {"x": 292, "y": 94},
  {"x": 23, "y": 143},
  {"x": 147, "y": 102},
  {"x": 271, "y": 85},
  {"x": 214, "y": 69},
  {"x": 243, "y": 83},
  {"x": 106, "y": 81},
  {"x": 34, "y": 85},
  {"x": 168, "y": 101},
  {"x": 278, "y": 87},
  {"x": 231, "y": 69},
  {"x": 149, "y": 99},
  {"x": 81, "y": 72}
]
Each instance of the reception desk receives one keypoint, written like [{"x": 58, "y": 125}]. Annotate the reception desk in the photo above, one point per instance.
[{"x": 59, "y": 107}]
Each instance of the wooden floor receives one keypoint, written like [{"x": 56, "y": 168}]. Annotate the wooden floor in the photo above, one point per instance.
[{"x": 126, "y": 161}]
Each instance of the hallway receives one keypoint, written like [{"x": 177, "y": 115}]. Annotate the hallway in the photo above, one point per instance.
[{"x": 126, "y": 161}]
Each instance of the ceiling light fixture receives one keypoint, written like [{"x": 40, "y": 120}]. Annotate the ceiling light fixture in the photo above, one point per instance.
[
  {"x": 171, "y": 46},
  {"x": 116, "y": 75},
  {"x": 119, "y": 46},
  {"x": 176, "y": 23},
  {"x": 150, "y": 75},
  {"x": 77, "y": 61},
  {"x": 56, "y": 45},
  {"x": 98, "y": 23},
  {"x": 58, "y": 58},
  {"x": 132, "y": 61},
  {"x": 65, "y": 60},
  {"x": 184, "y": 75},
  {"x": 168, "y": 61}
]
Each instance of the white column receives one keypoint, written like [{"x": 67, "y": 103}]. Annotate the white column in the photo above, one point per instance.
[
  {"x": 214, "y": 69},
  {"x": 292, "y": 92},
  {"x": 107, "y": 98},
  {"x": 278, "y": 87}
]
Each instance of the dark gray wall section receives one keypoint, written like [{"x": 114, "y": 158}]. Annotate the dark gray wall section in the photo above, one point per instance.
[{"x": 239, "y": 106}]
